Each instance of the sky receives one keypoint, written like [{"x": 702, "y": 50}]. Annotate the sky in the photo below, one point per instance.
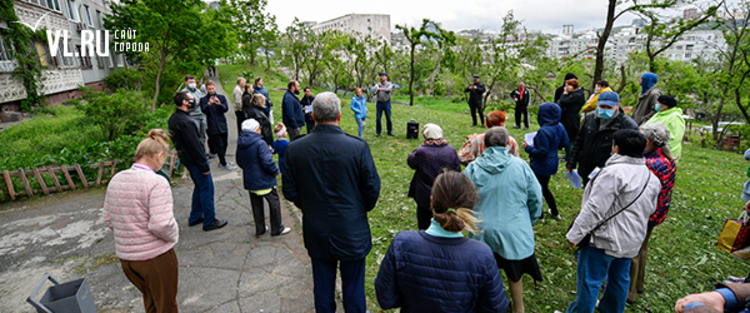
[{"x": 544, "y": 15}]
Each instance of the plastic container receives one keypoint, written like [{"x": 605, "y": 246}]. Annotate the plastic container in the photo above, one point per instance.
[{"x": 70, "y": 297}]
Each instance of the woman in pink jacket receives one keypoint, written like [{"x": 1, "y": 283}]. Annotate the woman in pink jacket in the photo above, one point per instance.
[{"x": 138, "y": 208}]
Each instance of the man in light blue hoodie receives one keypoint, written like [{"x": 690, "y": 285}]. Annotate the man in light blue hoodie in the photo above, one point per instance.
[{"x": 359, "y": 106}]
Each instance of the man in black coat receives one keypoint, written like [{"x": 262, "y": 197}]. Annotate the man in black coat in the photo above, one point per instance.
[
  {"x": 214, "y": 106},
  {"x": 186, "y": 138},
  {"x": 521, "y": 97},
  {"x": 476, "y": 90},
  {"x": 331, "y": 177},
  {"x": 593, "y": 143}
]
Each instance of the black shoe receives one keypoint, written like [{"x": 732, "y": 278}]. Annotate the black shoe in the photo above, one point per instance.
[
  {"x": 215, "y": 225},
  {"x": 377, "y": 135},
  {"x": 473, "y": 125},
  {"x": 516, "y": 127},
  {"x": 525, "y": 128},
  {"x": 198, "y": 221},
  {"x": 392, "y": 135},
  {"x": 209, "y": 156}
]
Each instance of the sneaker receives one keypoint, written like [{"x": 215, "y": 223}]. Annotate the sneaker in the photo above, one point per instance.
[
  {"x": 525, "y": 128},
  {"x": 557, "y": 217},
  {"x": 230, "y": 167},
  {"x": 516, "y": 127},
  {"x": 284, "y": 231},
  {"x": 541, "y": 220},
  {"x": 735, "y": 279},
  {"x": 392, "y": 135},
  {"x": 377, "y": 135}
]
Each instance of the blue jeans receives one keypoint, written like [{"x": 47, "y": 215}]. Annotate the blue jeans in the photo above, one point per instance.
[
  {"x": 593, "y": 267},
  {"x": 383, "y": 106},
  {"x": 203, "y": 197},
  {"x": 352, "y": 285},
  {"x": 361, "y": 124}
]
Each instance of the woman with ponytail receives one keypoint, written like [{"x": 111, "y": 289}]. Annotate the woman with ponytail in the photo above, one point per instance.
[
  {"x": 138, "y": 208},
  {"x": 511, "y": 203},
  {"x": 440, "y": 270}
]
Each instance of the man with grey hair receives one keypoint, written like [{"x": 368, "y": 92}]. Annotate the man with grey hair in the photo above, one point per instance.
[
  {"x": 237, "y": 97},
  {"x": 331, "y": 177},
  {"x": 496, "y": 137}
]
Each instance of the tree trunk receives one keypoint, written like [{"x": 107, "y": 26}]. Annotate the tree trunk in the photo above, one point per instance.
[
  {"x": 162, "y": 61},
  {"x": 268, "y": 60},
  {"x": 599, "y": 68},
  {"x": 411, "y": 78}
]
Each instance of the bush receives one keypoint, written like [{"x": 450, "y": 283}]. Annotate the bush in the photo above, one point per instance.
[
  {"x": 115, "y": 113},
  {"x": 128, "y": 79}
]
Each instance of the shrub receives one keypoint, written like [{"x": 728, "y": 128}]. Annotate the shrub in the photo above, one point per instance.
[
  {"x": 128, "y": 79},
  {"x": 115, "y": 113}
]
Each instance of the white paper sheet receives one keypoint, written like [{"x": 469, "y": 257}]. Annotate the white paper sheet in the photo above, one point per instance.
[
  {"x": 574, "y": 178},
  {"x": 530, "y": 138}
]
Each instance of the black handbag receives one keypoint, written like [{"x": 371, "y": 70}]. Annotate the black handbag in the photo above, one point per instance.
[{"x": 587, "y": 239}]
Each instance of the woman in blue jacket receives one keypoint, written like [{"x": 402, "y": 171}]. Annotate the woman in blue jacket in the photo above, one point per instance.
[
  {"x": 359, "y": 106},
  {"x": 550, "y": 138},
  {"x": 439, "y": 270}
]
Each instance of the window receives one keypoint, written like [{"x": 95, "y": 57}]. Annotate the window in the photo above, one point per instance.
[
  {"x": 88, "y": 15},
  {"x": 85, "y": 60},
  {"x": 99, "y": 19},
  {"x": 689, "y": 47},
  {"x": 687, "y": 55},
  {"x": 71, "y": 10},
  {"x": 6, "y": 50},
  {"x": 53, "y": 5}
]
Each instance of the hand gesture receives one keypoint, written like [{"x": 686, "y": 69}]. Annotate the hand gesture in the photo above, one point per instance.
[{"x": 524, "y": 144}]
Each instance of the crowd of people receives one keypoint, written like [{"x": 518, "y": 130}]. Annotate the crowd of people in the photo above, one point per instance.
[{"x": 627, "y": 168}]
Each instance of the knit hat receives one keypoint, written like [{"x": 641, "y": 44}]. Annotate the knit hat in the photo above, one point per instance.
[
  {"x": 476, "y": 76},
  {"x": 658, "y": 134},
  {"x": 432, "y": 132},
  {"x": 667, "y": 100},
  {"x": 250, "y": 125},
  {"x": 609, "y": 98}
]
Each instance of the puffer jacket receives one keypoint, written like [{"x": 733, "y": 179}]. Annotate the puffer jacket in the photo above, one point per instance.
[
  {"x": 646, "y": 107},
  {"x": 511, "y": 202},
  {"x": 616, "y": 185},
  {"x": 593, "y": 144},
  {"x": 359, "y": 106},
  {"x": 429, "y": 161},
  {"x": 425, "y": 273},
  {"x": 550, "y": 138},
  {"x": 594, "y": 100},
  {"x": 259, "y": 171}
]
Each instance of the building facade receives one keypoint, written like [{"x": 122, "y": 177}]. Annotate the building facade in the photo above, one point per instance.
[
  {"x": 62, "y": 75},
  {"x": 376, "y": 26}
]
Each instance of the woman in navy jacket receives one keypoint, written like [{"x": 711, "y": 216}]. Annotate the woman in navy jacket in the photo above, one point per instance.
[
  {"x": 550, "y": 138},
  {"x": 439, "y": 270}
]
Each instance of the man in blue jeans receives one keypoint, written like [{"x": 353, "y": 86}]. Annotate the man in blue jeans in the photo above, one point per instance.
[
  {"x": 383, "y": 90},
  {"x": 627, "y": 191},
  {"x": 184, "y": 133}
]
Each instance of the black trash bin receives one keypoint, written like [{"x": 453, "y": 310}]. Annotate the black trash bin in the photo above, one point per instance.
[
  {"x": 70, "y": 297},
  {"x": 412, "y": 129}
]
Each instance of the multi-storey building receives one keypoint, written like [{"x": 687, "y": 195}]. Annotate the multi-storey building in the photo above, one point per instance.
[{"x": 376, "y": 26}]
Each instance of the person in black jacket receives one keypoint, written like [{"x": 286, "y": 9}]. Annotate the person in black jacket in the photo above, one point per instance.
[
  {"x": 593, "y": 144},
  {"x": 255, "y": 111},
  {"x": 306, "y": 102},
  {"x": 559, "y": 91},
  {"x": 476, "y": 90},
  {"x": 440, "y": 270},
  {"x": 571, "y": 102},
  {"x": 521, "y": 97},
  {"x": 331, "y": 177},
  {"x": 186, "y": 138},
  {"x": 214, "y": 106}
]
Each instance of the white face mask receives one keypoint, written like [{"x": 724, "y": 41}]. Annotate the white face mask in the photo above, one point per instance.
[
  {"x": 597, "y": 88},
  {"x": 191, "y": 85}
]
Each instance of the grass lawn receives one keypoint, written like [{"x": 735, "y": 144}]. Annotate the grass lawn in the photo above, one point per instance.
[{"x": 683, "y": 258}]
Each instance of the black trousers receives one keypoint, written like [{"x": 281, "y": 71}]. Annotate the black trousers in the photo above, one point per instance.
[
  {"x": 548, "y": 197},
  {"x": 274, "y": 209},
  {"x": 424, "y": 217},
  {"x": 218, "y": 144},
  {"x": 240, "y": 118},
  {"x": 522, "y": 113},
  {"x": 477, "y": 108},
  {"x": 309, "y": 122}
]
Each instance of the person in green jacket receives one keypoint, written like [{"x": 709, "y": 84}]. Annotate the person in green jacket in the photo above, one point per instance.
[
  {"x": 668, "y": 114},
  {"x": 511, "y": 201}
]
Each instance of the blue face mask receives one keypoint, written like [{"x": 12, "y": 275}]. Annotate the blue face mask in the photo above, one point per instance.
[
  {"x": 605, "y": 113},
  {"x": 657, "y": 107}
]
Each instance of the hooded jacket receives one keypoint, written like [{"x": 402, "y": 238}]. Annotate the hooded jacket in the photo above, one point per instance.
[
  {"x": 559, "y": 91},
  {"x": 511, "y": 202},
  {"x": 359, "y": 106},
  {"x": 593, "y": 144},
  {"x": 550, "y": 138},
  {"x": 618, "y": 184},
  {"x": 259, "y": 171},
  {"x": 593, "y": 102},
  {"x": 644, "y": 110},
  {"x": 674, "y": 122},
  {"x": 429, "y": 161}
]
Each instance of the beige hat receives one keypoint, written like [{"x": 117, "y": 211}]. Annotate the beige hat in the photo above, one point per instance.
[
  {"x": 250, "y": 125},
  {"x": 432, "y": 132}
]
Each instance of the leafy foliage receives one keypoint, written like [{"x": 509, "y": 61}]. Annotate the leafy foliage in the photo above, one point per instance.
[
  {"x": 23, "y": 40},
  {"x": 115, "y": 113}
]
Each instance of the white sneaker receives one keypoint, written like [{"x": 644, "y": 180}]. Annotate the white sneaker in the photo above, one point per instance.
[
  {"x": 230, "y": 167},
  {"x": 285, "y": 231},
  {"x": 557, "y": 217}
]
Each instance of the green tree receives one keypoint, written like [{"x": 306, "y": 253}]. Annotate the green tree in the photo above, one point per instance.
[
  {"x": 255, "y": 28},
  {"x": 428, "y": 34}
]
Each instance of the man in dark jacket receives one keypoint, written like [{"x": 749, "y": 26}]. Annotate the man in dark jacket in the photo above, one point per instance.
[
  {"x": 291, "y": 111},
  {"x": 593, "y": 144},
  {"x": 521, "y": 96},
  {"x": 331, "y": 177},
  {"x": 214, "y": 106},
  {"x": 559, "y": 91},
  {"x": 476, "y": 90},
  {"x": 306, "y": 102},
  {"x": 259, "y": 173},
  {"x": 186, "y": 139}
]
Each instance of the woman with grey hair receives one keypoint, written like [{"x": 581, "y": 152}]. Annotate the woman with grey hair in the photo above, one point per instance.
[
  {"x": 659, "y": 160},
  {"x": 511, "y": 201}
]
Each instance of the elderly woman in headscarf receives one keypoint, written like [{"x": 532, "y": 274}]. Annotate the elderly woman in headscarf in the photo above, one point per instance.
[
  {"x": 429, "y": 160},
  {"x": 511, "y": 201},
  {"x": 474, "y": 145},
  {"x": 659, "y": 160},
  {"x": 646, "y": 107}
]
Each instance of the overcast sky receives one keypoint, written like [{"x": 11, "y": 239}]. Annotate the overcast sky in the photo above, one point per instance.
[{"x": 544, "y": 15}]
